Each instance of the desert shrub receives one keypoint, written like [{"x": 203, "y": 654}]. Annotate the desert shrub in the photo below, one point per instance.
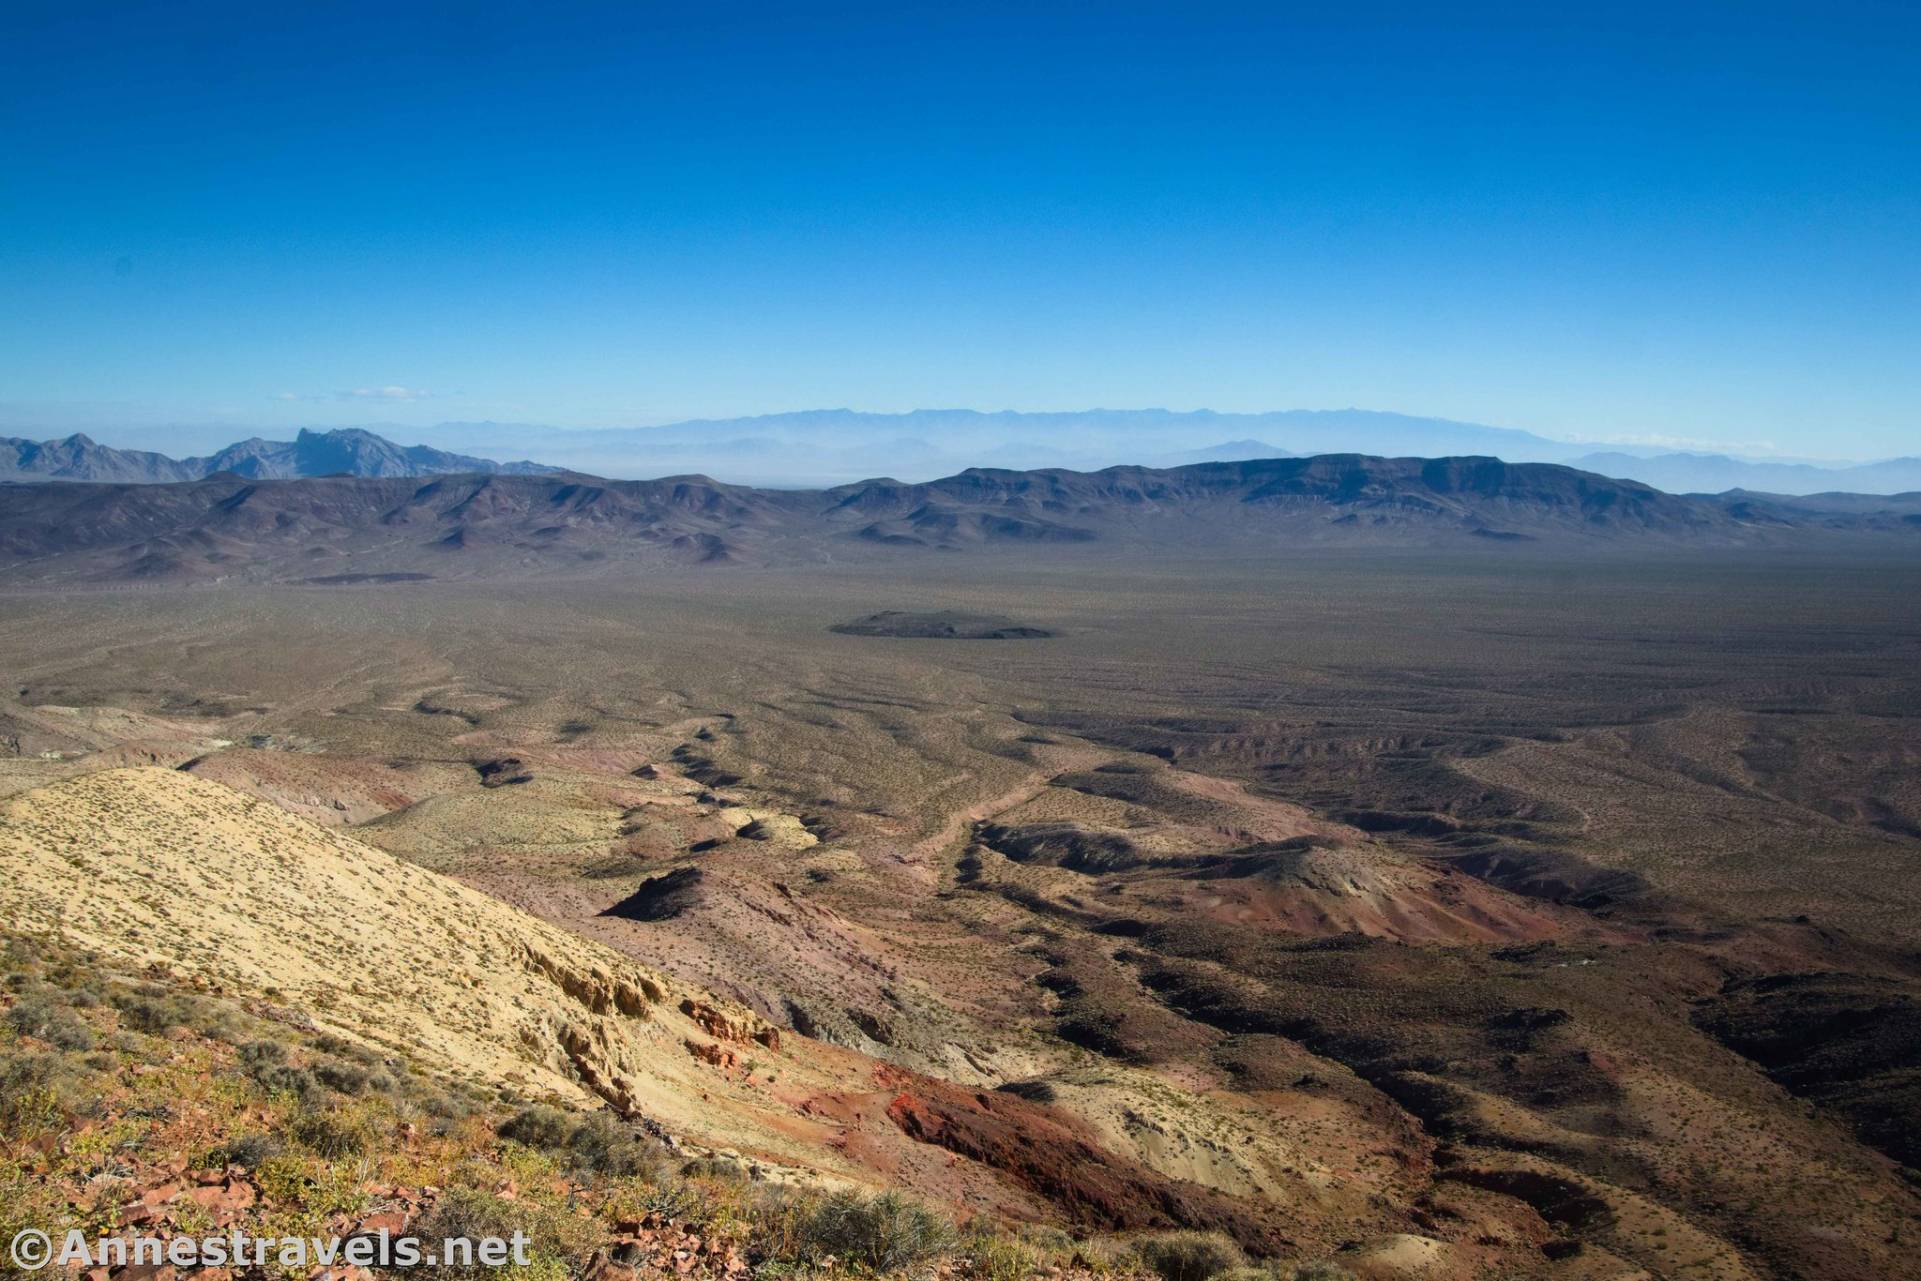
[
  {"x": 36, "y": 1086},
  {"x": 602, "y": 1144},
  {"x": 20, "y": 954},
  {"x": 332, "y": 1132},
  {"x": 540, "y": 1126},
  {"x": 996, "y": 1256},
  {"x": 343, "y": 1078},
  {"x": 1276, "y": 1270},
  {"x": 27, "y": 1201},
  {"x": 281, "y": 1078},
  {"x": 154, "y": 1010},
  {"x": 44, "y": 1019},
  {"x": 712, "y": 1167},
  {"x": 255, "y": 1055},
  {"x": 1048, "y": 1239},
  {"x": 777, "y": 1224},
  {"x": 1321, "y": 1270},
  {"x": 447, "y": 1105},
  {"x": 340, "y": 1047},
  {"x": 248, "y": 1151},
  {"x": 146, "y": 1013},
  {"x": 885, "y": 1233},
  {"x": 215, "y": 1019},
  {"x": 596, "y": 1142},
  {"x": 557, "y": 1237},
  {"x": 1188, "y": 1256}
]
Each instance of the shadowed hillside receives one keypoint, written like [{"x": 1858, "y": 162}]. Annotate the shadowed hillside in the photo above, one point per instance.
[{"x": 340, "y": 530}]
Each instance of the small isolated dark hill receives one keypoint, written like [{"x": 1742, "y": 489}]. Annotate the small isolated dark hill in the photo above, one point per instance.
[
  {"x": 475, "y": 525},
  {"x": 943, "y": 624}
]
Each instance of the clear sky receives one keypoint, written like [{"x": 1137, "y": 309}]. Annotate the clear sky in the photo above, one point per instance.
[{"x": 1635, "y": 222}]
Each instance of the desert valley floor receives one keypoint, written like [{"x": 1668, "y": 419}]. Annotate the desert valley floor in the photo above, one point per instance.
[{"x": 1497, "y": 912}]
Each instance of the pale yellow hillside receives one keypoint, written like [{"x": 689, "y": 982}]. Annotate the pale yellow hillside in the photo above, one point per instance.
[{"x": 160, "y": 868}]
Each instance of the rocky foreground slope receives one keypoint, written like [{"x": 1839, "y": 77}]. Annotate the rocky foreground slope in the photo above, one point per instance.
[
  {"x": 159, "y": 869},
  {"x": 161, "y": 872},
  {"x": 1117, "y": 995}
]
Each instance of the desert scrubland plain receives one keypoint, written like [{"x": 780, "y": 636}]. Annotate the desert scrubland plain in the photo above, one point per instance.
[{"x": 1489, "y": 911}]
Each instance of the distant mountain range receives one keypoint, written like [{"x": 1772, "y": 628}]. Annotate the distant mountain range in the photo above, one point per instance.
[
  {"x": 828, "y": 447},
  {"x": 825, "y": 448},
  {"x": 1717, "y": 473},
  {"x": 346, "y": 530},
  {"x": 835, "y": 446},
  {"x": 346, "y": 451}
]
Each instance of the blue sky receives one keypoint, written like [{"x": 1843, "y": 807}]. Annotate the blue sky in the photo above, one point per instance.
[{"x": 1686, "y": 222}]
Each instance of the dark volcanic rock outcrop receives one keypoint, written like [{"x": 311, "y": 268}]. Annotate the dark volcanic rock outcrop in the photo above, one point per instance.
[
  {"x": 940, "y": 625},
  {"x": 661, "y": 898}
]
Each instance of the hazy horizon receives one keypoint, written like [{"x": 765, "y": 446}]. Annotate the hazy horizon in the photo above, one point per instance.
[
  {"x": 823, "y": 448},
  {"x": 1687, "y": 228}
]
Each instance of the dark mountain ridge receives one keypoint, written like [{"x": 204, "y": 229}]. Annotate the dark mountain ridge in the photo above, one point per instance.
[
  {"x": 473, "y": 525},
  {"x": 347, "y": 450}
]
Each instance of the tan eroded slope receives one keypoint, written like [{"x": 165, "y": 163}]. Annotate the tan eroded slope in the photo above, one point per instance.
[{"x": 158, "y": 867}]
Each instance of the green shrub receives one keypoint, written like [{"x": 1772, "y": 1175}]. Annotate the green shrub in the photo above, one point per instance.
[
  {"x": 557, "y": 1237},
  {"x": 332, "y": 1132},
  {"x": 343, "y": 1078},
  {"x": 447, "y": 1105},
  {"x": 539, "y": 1126},
  {"x": 152, "y": 1009},
  {"x": 1188, "y": 1256},
  {"x": 249, "y": 1151},
  {"x": 340, "y": 1047},
  {"x": 255, "y": 1055},
  {"x": 36, "y": 1086},
  {"x": 1257, "y": 1272},
  {"x": 603, "y": 1144},
  {"x": 712, "y": 1167},
  {"x": 596, "y": 1142},
  {"x": 1322, "y": 1270},
  {"x": 280, "y": 1078},
  {"x": 996, "y": 1256},
  {"x": 46, "y": 1020},
  {"x": 886, "y": 1233}
]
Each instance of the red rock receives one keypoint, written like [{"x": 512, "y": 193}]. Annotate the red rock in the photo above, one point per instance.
[
  {"x": 721, "y": 1057},
  {"x": 146, "y": 1272}
]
